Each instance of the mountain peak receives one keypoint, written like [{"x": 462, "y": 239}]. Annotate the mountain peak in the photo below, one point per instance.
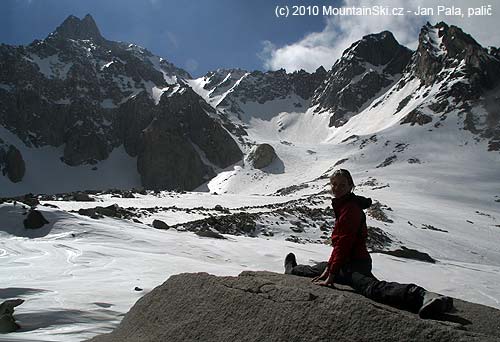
[
  {"x": 376, "y": 48},
  {"x": 442, "y": 46},
  {"x": 74, "y": 28}
]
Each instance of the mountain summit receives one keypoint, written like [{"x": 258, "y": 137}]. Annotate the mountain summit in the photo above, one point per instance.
[
  {"x": 366, "y": 68},
  {"x": 74, "y": 28}
]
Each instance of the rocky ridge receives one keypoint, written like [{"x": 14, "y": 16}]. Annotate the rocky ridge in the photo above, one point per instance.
[
  {"x": 260, "y": 87},
  {"x": 466, "y": 77}
]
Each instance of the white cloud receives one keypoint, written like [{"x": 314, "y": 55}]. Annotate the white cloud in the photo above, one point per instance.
[
  {"x": 172, "y": 39},
  {"x": 191, "y": 65},
  {"x": 325, "y": 47}
]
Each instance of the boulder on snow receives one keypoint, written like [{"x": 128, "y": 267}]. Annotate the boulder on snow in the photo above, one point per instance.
[
  {"x": 7, "y": 322},
  {"x": 83, "y": 197},
  {"x": 261, "y": 156},
  {"x": 264, "y": 306},
  {"x": 159, "y": 224},
  {"x": 34, "y": 220}
]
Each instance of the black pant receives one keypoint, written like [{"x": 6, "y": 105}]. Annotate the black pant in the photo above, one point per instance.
[{"x": 358, "y": 275}]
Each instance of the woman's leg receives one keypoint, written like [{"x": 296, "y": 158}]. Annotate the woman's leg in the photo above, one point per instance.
[
  {"x": 404, "y": 296},
  {"x": 409, "y": 297},
  {"x": 309, "y": 271}
]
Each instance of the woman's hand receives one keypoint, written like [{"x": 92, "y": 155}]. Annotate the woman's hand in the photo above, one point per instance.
[
  {"x": 325, "y": 282},
  {"x": 323, "y": 276}
]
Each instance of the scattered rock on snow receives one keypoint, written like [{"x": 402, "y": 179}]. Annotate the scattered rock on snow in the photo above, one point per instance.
[
  {"x": 377, "y": 213},
  {"x": 210, "y": 234},
  {"x": 388, "y": 161},
  {"x": 409, "y": 253},
  {"x": 159, "y": 224}
]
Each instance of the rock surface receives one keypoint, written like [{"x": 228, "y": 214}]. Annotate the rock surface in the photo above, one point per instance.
[
  {"x": 263, "y": 306},
  {"x": 34, "y": 220},
  {"x": 15, "y": 164},
  {"x": 261, "y": 156},
  {"x": 7, "y": 322}
]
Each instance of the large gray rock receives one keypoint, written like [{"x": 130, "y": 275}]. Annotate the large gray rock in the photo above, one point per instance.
[
  {"x": 261, "y": 156},
  {"x": 263, "y": 306}
]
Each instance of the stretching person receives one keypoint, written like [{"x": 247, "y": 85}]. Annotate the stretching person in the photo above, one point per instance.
[{"x": 351, "y": 264}]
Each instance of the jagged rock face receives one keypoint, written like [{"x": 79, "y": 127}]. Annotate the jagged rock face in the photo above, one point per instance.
[
  {"x": 366, "y": 68},
  {"x": 74, "y": 75},
  {"x": 305, "y": 84},
  {"x": 469, "y": 75},
  {"x": 264, "y": 306},
  {"x": 261, "y": 156},
  {"x": 261, "y": 87},
  {"x": 12, "y": 163},
  {"x": 446, "y": 47},
  {"x": 133, "y": 117},
  {"x": 167, "y": 160},
  {"x": 169, "y": 157},
  {"x": 206, "y": 133},
  {"x": 77, "y": 89},
  {"x": 222, "y": 80},
  {"x": 74, "y": 28}
]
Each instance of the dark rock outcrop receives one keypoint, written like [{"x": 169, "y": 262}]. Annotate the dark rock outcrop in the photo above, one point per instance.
[
  {"x": 7, "y": 322},
  {"x": 113, "y": 210},
  {"x": 159, "y": 224},
  {"x": 13, "y": 163},
  {"x": 261, "y": 156},
  {"x": 179, "y": 137},
  {"x": 263, "y": 306},
  {"x": 83, "y": 197},
  {"x": 34, "y": 220},
  {"x": 409, "y": 253},
  {"x": 444, "y": 47}
]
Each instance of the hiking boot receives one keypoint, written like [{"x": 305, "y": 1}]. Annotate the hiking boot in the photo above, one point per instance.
[
  {"x": 290, "y": 263},
  {"x": 434, "y": 305}
]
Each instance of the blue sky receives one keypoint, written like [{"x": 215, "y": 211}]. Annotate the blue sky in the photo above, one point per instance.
[{"x": 203, "y": 35}]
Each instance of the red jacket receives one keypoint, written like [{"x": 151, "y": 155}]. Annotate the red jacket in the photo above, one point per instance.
[{"x": 349, "y": 243}]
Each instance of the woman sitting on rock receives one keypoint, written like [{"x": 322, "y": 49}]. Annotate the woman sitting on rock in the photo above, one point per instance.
[{"x": 351, "y": 264}]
